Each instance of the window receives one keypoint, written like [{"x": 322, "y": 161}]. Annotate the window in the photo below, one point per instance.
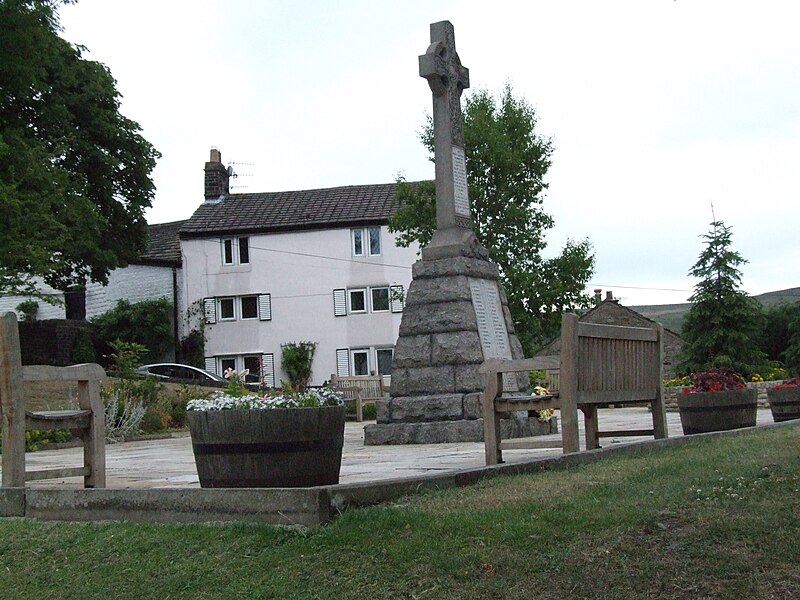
[
  {"x": 358, "y": 300},
  {"x": 227, "y": 311},
  {"x": 358, "y": 242},
  {"x": 360, "y": 360},
  {"x": 225, "y": 363},
  {"x": 369, "y": 237},
  {"x": 249, "y": 307},
  {"x": 380, "y": 299},
  {"x": 244, "y": 250},
  {"x": 227, "y": 251},
  {"x": 374, "y": 241},
  {"x": 235, "y": 251},
  {"x": 253, "y": 365},
  {"x": 384, "y": 360}
]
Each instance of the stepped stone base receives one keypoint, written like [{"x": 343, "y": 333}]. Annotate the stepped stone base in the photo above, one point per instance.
[
  {"x": 456, "y": 315},
  {"x": 442, "y": 432}
]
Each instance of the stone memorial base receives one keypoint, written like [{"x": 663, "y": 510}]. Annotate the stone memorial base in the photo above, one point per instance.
[{"x": 455, "y": 316}]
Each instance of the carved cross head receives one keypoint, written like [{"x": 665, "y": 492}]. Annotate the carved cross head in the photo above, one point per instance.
[{"x": 441, "y": 66}]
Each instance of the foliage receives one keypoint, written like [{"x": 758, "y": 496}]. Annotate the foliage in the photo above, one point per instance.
[
  {"x": 128, "y": 389},
  {"x": 28, "y": 308},
  {"x": 123, "y": 416},
  {"x": 83, "y": 351},
  {"x": 678, "y": 381},
  {"x": 788, "y": 383},
  {"x": 74, "y": 172},
  {"x": 308, "y": 398},
  {"x": 507, "y": 161},
  {"x": 146, "y": 323},
  {"x": 192, "y": 347},
  {"x": 777, "y": 319},
  {"x": 723, "y": 326},
  {"x": 296, "y": 359},
  {"x": 715, "y": 380},
  {"x": 792, "y": 353},
  {"x": 235, "y": 386}
]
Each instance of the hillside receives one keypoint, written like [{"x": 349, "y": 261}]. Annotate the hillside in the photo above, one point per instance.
[{"x": 671, "y": 315}]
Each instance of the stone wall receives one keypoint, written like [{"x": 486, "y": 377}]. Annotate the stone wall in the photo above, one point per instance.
[{"x": 56, "y": 342}]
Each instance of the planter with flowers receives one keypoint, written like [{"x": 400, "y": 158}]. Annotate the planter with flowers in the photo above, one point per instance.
[
  {"x": 717, "y": 400},
  {"x": 784, "y": 400},
  {"x": 285, "y": 439}
]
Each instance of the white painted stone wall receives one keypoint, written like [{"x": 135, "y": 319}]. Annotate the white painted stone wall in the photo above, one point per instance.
[
  {"x": 133, "y": 283},
  {"x": 299, "y": 270}
]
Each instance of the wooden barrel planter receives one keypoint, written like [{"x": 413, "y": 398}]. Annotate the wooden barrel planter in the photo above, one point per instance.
[
  {"x": 293, "y": 447},
  {"x": 784, "y": 403},
  {"x": 702, "y": 412}
]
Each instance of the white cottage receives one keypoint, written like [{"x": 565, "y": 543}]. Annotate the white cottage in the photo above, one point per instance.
[{"x": 313, "y": 265}]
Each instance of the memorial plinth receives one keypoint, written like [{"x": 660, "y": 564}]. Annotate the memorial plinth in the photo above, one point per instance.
[
  {"x": 456, "y": 316},
  {"x": 456, "y": 313}
]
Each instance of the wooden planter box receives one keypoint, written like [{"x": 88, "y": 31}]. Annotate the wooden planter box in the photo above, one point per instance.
[
  {"x": 784, "y": 403},
  {"x": 293, "y": 447},
  {"x": 702, "y": 412}
]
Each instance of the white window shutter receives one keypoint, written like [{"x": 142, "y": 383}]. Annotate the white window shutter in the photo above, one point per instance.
[
  {"x": 210, "y": 310},
  {"x": 342, "y": 362},
  {"x": 397, "y": 298},
  {"x": 211, "y": 365},
  {"x": 340, "y": 303},
  {"x": 265, "y": 307},
  {"x": 268, "y": 370}
]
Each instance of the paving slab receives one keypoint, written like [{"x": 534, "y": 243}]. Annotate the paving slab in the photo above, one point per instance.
[{"x": 169, "y": 462}]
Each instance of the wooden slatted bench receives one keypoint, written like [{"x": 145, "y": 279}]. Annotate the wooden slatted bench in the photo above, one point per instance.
[
  {"x": 87, "y": 422},
  {"x": 361, "y": 389},
  {"x": 600, "y": 365}
]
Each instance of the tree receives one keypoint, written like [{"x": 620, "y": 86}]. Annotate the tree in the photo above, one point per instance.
[
  {"x": 506, "y": 165},
  {"x": 74, "y": 173},
  {"x": 723, "y": 325}
]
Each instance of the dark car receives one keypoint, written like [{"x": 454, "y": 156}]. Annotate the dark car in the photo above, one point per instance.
[
  {"x": 182, "y": 372},
  {"x": 185, "y": 373}
]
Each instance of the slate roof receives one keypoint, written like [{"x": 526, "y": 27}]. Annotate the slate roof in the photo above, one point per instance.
[
  {"x": 165, "y": 246},
  {"x": 293, "y": 211}
]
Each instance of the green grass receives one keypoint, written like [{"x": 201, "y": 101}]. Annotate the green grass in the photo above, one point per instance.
[{"x": 711, "y": 519}]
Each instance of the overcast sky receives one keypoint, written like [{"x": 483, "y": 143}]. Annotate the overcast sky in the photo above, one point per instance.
[{"x": 657, "y": 109}]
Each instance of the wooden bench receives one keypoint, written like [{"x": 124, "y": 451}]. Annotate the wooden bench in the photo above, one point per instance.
[
  {"x": 87, "y": 422},
  {"x": 361, "y": 389},
  {"x": 600, "y": 365}
]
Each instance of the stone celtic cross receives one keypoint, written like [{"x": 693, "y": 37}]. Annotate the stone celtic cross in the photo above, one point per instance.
[{"x": 446, "y": 77}]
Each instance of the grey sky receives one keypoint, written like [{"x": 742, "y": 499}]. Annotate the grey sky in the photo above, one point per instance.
[{"x": 656, "y": 108}]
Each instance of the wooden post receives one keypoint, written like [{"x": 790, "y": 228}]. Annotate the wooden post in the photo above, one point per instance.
[
  {"x": 491, "y": 422},
  {"x": 94, "y": 443},
  {"x": 12, "y": 403},
  {"x": 659, "y": 414},
  {"x": 569, "y": 383}
]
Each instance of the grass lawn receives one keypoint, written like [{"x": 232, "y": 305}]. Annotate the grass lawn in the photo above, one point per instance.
[{"x": 711, "y": 519}]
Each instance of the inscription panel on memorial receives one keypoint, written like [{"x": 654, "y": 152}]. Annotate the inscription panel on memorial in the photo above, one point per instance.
[
  {"x": 491, "y": 325},
  {"x": 460, "y": 190}
]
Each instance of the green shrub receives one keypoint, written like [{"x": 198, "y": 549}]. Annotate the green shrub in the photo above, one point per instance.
[
  {"x": 296, "y": 359},
  {"x": 147, "y": 323}
]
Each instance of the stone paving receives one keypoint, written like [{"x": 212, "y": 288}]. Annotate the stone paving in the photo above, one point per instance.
[{"x": 169, "y": 463}]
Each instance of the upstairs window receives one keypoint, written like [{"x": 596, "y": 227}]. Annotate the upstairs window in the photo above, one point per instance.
[
  {"x": 236, "y": 251},
  {"x": 244, "y": 250},
  {"x": 366, "y": 241},
  {"x": 358, "y": 300},
  {"x": 374, "y": 241}
]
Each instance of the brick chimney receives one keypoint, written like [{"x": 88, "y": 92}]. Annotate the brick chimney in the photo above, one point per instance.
[
  {"x": 610, "y": 297},
  {"x": 216, "y": 177},
  {"x": 598, "y": 296}
]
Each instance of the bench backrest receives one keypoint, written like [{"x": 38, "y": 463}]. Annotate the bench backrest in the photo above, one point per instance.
[
  {"x": 371, "y": 385},
  {"x": 604, "y": 363}
]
